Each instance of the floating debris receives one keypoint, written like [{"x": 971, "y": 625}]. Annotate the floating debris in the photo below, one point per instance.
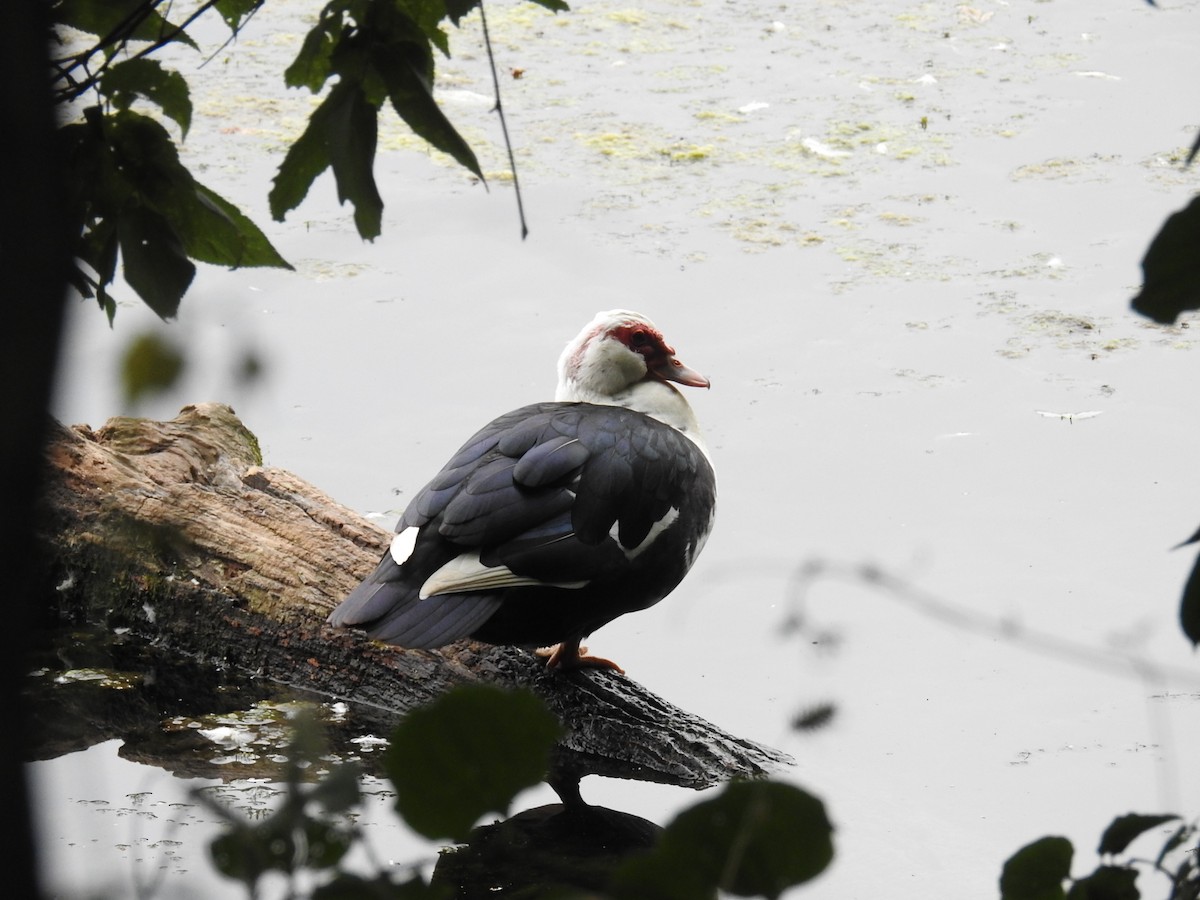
[
  {"x": 1069, "y": 416},
  {"x": 818, "y": 148}
]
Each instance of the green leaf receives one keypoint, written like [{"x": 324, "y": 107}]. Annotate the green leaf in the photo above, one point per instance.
[
  {"x": 210, "y": 228},
  {"x": 556, "y": 6},
  {"x": 127, "y": 188},
  {"x": 1171, "y": 268},
  {"x": 96, "y": 189},
  {"x": 131, "y": 19},
  {"x": 466, "y": 754},
  {"x": 164, "y": 217},
  {"x": 428, "y": 16},
  {"x": 341, "y": 133},
  {"x": 149, "y": 366},
  {"x": 1123, "y": 830},
  {"x": 145, "y": 157},
  {"x": 379, "y": 50},
  {"x": 98, "y": 248},
  {"x": 1106, "y": 883},
  {"x": 92, "y": 183},
  {"x": 313, "y": 64},
  {"x": 756, "y": 838},
  {"x": 1037, "y": 871},
  {"x": 352, "y": 155},
  {"x": 307, "y": 158},
  {"x": 235, "y": 12},
  {"x": 125, "y": 81},
  {"x": 1189, "y": 606},
  {"x": 215, "y": 231},
  {"x": 457, "y": 9},
  {"x": 153, "y": 260},
  {"x": 411, "y": 93},
  {"x": 399, "y": 54}
]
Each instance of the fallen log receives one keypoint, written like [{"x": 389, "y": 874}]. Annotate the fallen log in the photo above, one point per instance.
[{"x": 176, "y": 531}]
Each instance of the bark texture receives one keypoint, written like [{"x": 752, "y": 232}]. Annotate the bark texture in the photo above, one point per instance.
[{"x": 176, "y": 531}]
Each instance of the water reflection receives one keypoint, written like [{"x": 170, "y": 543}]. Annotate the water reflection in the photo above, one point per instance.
[
  {"x": 88, "y": 685},
  {"x": 191, "y": 719},
  {"x": 557, "y": 844}
]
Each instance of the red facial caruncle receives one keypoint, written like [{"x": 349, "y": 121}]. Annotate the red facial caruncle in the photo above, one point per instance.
[{"x": 659, "y": 355}]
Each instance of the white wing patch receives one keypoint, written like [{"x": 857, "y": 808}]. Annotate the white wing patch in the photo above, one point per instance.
[
  {"x": 466, "y": 573},
  {"x": 403, "y": 544},
  {"x": 655, "y": 530},
  {"x": 690, "y": 553}
]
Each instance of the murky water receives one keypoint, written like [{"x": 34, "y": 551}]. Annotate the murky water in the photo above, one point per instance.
[{"x": 900, "y": 238}]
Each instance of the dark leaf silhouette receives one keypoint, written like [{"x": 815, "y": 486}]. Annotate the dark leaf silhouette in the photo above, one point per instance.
[
  {"x": 411, "y": 93},
  {"x": 235, "y": 12},
  {"x": 1037, "y": 871},
  {"x": 147, "y": 78},
  {"x": 1106, "y": 883},
  {"x": 1125, "y": 829},
  {"x": 814, "y": 717},
  {"x": 128, "y": 186},
  {"x": 155, "y": 263},
  {"x": 149, "y": 365},
  {"x": 1171, "y": 268},
  {"x": 1195, "y": 537},
  {"x": 757, "y": 838},
  {"x": 466, "y": 754},
  {"x": 341, "y": 133},
  {"x": 119, "y": 19},
  {"x": 1189, "y": 606}
]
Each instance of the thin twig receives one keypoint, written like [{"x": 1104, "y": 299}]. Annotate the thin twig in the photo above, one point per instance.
[
  {"x": 499, "y": 110},
  {"x": 233, "y": 33},
  {"x": 1110, "y": 661},
  {"x": 1152, "y": 675}
]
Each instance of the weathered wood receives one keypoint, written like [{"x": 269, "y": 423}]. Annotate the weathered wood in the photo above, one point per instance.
[{"x": 176, "y": 531}]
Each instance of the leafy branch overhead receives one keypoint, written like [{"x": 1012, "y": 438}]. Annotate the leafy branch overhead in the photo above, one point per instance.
[
  {"x": 135, "y": 204},
  {"x": 378, "y": 52}
]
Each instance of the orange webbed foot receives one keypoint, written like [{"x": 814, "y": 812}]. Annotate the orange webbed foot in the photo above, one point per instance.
[{"x": 569, "y": 655}]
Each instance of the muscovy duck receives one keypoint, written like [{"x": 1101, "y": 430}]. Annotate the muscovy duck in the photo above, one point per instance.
[{"x": 555, "y": 518}]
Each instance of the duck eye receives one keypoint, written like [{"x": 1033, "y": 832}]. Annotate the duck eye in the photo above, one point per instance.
[{"x": 639, "y": 339}]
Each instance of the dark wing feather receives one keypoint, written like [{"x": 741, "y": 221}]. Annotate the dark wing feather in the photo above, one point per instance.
[
  {"x": 554, "y": 554},
  {"x": 656, "y": 479},
  {"x": 542, "y": 490},
  {"x": 550, "y": 461},
  {"x": 388, "y": 606}
]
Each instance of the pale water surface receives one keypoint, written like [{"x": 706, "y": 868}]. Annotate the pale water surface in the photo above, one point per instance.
[{"x": 900, "y": 238}]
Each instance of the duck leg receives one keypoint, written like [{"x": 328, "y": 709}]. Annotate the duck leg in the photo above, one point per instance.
[{"x": 569, "y": 655}]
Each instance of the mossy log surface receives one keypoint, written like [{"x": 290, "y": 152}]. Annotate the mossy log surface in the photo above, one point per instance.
[{"x": 176, "y": 531}]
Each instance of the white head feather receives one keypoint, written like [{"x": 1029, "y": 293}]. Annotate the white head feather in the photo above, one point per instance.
[{"x": 621, "y": 359}]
